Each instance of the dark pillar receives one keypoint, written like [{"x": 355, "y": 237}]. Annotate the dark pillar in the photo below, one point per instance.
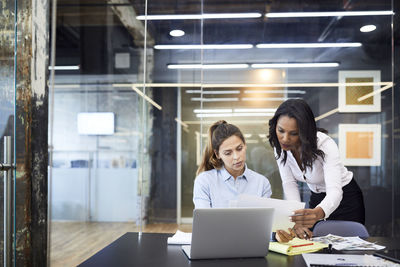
[
  {"x": 396, "y": 121},
  {"x": 162, "y": 206},
  {"x": 31, "y": 133}
]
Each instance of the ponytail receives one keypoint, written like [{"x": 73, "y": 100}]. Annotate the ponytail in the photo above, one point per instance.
[{"x": 217, "y": 134}]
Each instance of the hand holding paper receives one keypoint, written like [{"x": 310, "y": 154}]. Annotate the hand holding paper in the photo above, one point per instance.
[{"x": 283, "y": 208}]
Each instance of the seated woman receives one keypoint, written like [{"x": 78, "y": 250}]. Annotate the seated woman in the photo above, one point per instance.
[{"x": 223, "y": 175}]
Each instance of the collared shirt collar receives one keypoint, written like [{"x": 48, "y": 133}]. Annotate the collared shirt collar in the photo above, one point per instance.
[{"x": 226, "y": 175}]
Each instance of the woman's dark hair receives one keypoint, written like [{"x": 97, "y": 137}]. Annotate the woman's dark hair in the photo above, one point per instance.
[
  {"x": 217, "y": 134},
  {"x": 299, "y": 110}
]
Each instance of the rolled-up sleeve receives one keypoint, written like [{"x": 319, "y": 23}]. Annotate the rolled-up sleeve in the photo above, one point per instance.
[
  {"x": 332, "y": 176},
  {"x": 201, "y": 192}
]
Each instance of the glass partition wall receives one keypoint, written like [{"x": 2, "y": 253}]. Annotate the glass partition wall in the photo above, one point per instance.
[{"x": 138, "y": 83}]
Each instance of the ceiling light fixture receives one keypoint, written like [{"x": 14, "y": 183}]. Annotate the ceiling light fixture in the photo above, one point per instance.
[
  {"x": 274, "y": 92},
  {"x": 177, "y": 33},
  {"x": 252, "y": 110},
  {"x": 265, "y": 98},
  {"x": 295, "y": 65},
  {"x": 328, "y": 14},
  {"x": 225, "y": 92},
  {"x": 206, "y": 46},
  {"x": 200, "y": 16},
  {"x": 308, "y": 45},
  {"x": 368, "y": 28},
  {"x": 216, "y": 110},
  {"x": 226, "y": 99},
  {"x": 208, "y": 66},
  {"x": 65, "y": 67},
  {"x": 213, "y": 115}
]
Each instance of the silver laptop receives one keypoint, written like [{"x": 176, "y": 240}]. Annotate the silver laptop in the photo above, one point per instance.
[{"x": 230, "y": 233}]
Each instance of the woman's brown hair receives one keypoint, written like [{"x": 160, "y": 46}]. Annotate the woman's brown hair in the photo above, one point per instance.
[{"x": 217, "y": 134}]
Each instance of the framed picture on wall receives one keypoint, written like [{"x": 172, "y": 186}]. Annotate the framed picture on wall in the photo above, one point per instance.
[
  {"x": 360, "y": 144},
  {"x": 349, "y": 94}
]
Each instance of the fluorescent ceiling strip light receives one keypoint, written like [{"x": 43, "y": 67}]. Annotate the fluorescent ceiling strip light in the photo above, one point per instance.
[
  {"x": 207, "y": 46},
  {"x": 262, "y": 135},
  {"x": 328, "y": 14},
  {"x": 308, "y": 45},
  {"x": 236, "y": 121},
  {"x": 320, "y": 117},
  {"x": 200, "y": 16},
  {"x": 210, "y": 66},
  {"x": 265, "y": 98},
  {"x": 222, "y": 110},
  {"x": 247, "y": 135},
  {"x": 361, "y": 98},
  {"x": 295, "y": 65},
  {"x": 248, "y": 85},
  {"x": 215, "y": 99},
  {"x": 271, "y": 110},
  {"x": 226, "y": 92},
  {"x": 148, "y": 99},
  {"x": 64, "y": 67},
  {"x": 69, "y": 86},
  {"x": 274, "y": 92},
  {"x": 213, "y": 115}
]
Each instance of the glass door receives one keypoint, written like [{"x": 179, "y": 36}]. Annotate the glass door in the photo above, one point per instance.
[{"x": 7, "y": 130}]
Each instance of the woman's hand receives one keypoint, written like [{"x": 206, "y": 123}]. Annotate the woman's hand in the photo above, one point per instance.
[
  {"x": 283, "y": 236},
  {"x": 307, "y": 217},
  {"x": 302, "y": 232}
]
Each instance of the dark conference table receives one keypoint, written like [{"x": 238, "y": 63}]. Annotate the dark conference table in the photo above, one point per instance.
[{"x": 152, "y": 250}]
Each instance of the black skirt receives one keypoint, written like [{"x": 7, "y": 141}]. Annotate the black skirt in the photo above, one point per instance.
[{"x": 351, "y": 207}]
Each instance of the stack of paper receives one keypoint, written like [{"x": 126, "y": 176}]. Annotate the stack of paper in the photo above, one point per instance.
[
  {"x": 347, "y": 243},
  {"x": 296, "y": 246},
  {"x": 180, "y": 238}
]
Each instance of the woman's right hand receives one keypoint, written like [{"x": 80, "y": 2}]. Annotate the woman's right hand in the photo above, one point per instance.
[{"x": 302, "y": 231}]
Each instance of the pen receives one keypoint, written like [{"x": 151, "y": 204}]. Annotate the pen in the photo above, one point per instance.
[{"x": 302, "y": 245}]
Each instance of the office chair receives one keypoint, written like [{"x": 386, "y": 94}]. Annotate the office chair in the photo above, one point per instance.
[{"x": 341, "y": 228}]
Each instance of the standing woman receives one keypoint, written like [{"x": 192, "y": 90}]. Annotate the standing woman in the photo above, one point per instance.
[
  {"x": 306, "y": 154},
  {"x": 223, "y": 175}
]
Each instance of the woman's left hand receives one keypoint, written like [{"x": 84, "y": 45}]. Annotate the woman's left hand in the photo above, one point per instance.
[{"x": 307, "y": 217}]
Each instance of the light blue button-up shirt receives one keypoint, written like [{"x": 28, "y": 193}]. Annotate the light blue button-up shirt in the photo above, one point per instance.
[{"x": 216, "y": 188}]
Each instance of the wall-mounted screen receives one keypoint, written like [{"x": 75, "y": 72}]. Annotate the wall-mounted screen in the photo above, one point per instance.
[{"x": 96, "y": 123}]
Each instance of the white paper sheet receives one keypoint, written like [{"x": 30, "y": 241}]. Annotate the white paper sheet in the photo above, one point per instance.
[
  {"x": 283, "y": 208},
  {"x": 180, "y": 238}
]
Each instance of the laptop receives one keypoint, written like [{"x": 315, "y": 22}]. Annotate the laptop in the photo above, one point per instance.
[{"x": 230, "y": 233}]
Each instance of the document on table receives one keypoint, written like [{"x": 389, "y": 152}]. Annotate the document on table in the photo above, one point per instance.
[
  {"x": 180, "y": 238},
  {"x": 347, "y": 243},
  {"x": 317, "y": 259},
  {"x": 283, "y": 208},
  {"x": 296, "y": 246}
]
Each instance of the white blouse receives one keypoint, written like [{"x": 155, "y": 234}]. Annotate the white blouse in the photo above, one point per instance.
[{"x": 328, "y": 175}]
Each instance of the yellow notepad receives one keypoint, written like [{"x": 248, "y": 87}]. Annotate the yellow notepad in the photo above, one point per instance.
[{"x": 296, "y": 246}]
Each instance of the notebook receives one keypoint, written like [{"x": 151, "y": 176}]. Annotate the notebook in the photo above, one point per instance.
[
  {"x": 296, "y": 246},
  {"x": 230, "y": 233}
]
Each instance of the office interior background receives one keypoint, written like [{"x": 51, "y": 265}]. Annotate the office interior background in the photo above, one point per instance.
[{"x": 108, "y": 103}]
